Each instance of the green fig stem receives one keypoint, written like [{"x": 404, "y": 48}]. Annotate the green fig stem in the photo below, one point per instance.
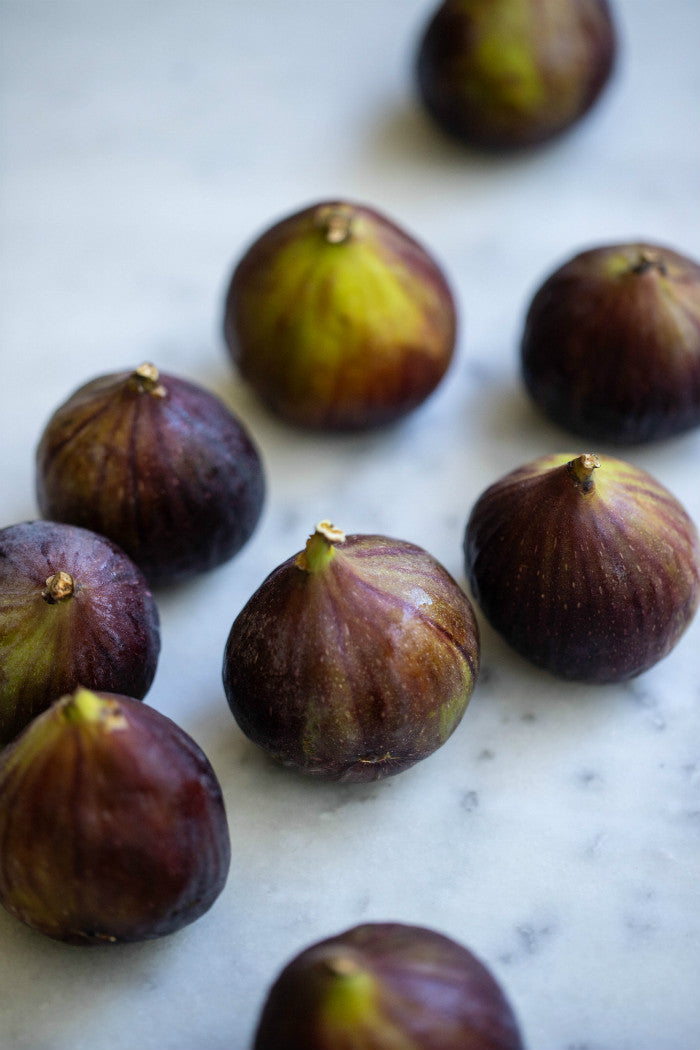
[
  {"x": 85, "y": 707},
  {"x": 581, "y": 470},
  {"x": 146, "y": 379},
  {"x": 59, "y": 587},
  {"x": 335, "y": 221},
  {"x": 320, "y": 547}
]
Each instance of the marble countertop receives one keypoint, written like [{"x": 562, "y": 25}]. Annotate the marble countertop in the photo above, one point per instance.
[{"x": 144, "y": 144}]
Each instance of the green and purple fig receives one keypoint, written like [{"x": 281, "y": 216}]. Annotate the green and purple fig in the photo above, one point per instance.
[
  {"x": 611, "y": 344},
  {"x": 339, "y": 319},
  {"x": 587, "y": 566},
  {"x": 354, "y": 659},
  {"x": 112, "y": 823},
  {"x": 387, "y": 986},
  {"x": 157, "y": 464},
  {"x": 74, "y": 610},
  {"x": 502, "y": 75}
]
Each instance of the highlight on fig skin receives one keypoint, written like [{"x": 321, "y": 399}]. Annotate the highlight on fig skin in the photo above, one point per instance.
[
  {"x": 74, "y": 610},
  {"x": 355, "y": 658},
  {"x": 387, "y": 986},
  {"x": 507, "y": 75},
  {"x": 156, "y": 463},
  {"x": 586, "y": 565},
  {"x": 339, "y": 319},
  {"x": 611, "y": 344},
  {"x": 112, "y": 823}
]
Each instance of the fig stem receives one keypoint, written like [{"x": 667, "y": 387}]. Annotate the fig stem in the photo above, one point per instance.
[
  {"x": 58, "y": 588},
  {"x": 649, "y": 261},
  {"x": 335, "y": 221},
  {"x": 320, "y": 547},
  {"x": 342, "y": 966},
  {"x": 84, "y": 706},
  {"x": 581, "y": 470},
  {"x": 147, "y": 380}
]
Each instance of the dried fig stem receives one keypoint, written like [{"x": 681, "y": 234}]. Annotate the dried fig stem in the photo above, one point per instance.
[
  {"x": 581, "y": 470},
  {"x": 319, "y": 547},
  {"x": 58, "y": 588},
  {"x": 336, "y": 222},
  {"x": 147, "y": 380}
]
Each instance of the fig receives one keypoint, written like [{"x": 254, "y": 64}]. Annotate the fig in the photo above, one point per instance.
[
  {"x": 338, "y": 319},
  {"x": 354, "y": 659},
  {"x": 502, "y": 75},
  {"x": 387, "y": 986},
  {"x": 611, "y": 344},
  {"x": 112, "y": 823},
  {"x": 586, "y": 565},
  {"x": 157, "y": 464},
  {"x": 74, "y": 610}
]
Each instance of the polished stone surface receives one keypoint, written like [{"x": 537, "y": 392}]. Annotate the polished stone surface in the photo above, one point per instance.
[{"x": 144, "y": 144}]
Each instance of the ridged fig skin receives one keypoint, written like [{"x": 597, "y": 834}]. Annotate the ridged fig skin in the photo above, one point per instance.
[
  {"x": 611, "y": 344},
  {"x": 592, "y": 573},
  {"x": 504, "y": 75},
  {"x": 112, "y": 823},
  {"x": 357, "y": 669},
  {"x": 387, "y": 986},
  {"x": 101, "y": 630},
  {"x": 339, "y": 319},
  {"x": 156, "y": 463}
]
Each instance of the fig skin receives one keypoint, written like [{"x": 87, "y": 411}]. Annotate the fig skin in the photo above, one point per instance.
[
  {"x": 504, "y": 75},
  {"x": 339, "y": 319},
  {"x": 74, "y": 610},
  {"x": 157, "y": 464},
  {"x": 388, "y": 986},
  {"x": 587, "y": 565},
  {"x": 354, "y": 659},
  {"x": 611, "y": 344},
  {"x": 112, "y": 823}
]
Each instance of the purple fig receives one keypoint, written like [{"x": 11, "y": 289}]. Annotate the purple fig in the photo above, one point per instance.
[
  {"x": 587, "y": 566},
  {"x": 354, "y": 659},
  {"x": 339, "y": 319},
  {"x": 387, "y": 986},
  {"x": 507, "y": 74},
  {"x": 112, "y": 823},
  {"x": 74, "y": 610},
  {"x": 156, "y": 463},
  {"x": 611, "y": 345}
]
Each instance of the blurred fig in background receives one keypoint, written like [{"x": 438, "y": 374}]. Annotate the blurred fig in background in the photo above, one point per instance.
[
  {"x": 387, "y": 986},
  {"x": 507, "y": 74}
]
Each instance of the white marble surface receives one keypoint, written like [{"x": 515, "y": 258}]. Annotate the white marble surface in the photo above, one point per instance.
[{"x": 143, "y": 145}]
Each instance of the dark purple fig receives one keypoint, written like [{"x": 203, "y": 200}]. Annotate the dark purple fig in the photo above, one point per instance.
[
  {"x": 156, "y": 463},
  {"x": 74, "y": 610},
  {"x": 506, "y": 74},
  {"x": 354, "y": 659},
  {"x": 588, "y": 567},
  {"x": 611, "y": 346},
  {"x": 339, "y": 319},
  {"x": 112, "y": 823},
  {"x": 387, "y": 986}
]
